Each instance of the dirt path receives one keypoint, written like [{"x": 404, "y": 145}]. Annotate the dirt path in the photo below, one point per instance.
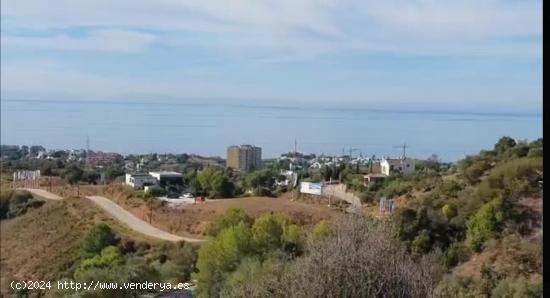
[
  {"x": 122, "y": 215},
  {"x": 136, "y": 223},
  {"x": 43, "y": 193}
]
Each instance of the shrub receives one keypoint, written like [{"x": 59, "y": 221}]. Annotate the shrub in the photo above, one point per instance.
[
  {"x": 320, "y": 231},
  {"x": 515, "y": 177},
  {"x": 358, "y": 259},
  {"x": 99, "y": 237},
  {"x": 421, "y": 243},
  {"x": 504, "y": 144},
  {"x": 397, "y": 187},
  {"x": 157, "y": 191},
  {"x": 16, "y": 203},
  {"x": 449, "y": 211},
  {"x": 485, "y": 223},
  {"x": 520, "y": 288},
  {"x": 230, "y": 218},
  {"x": 535, "y": 152},
  {"x": 456, "y": 286}
]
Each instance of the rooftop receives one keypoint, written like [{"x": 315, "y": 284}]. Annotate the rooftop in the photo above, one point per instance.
[{"x": 166, "y": 173}]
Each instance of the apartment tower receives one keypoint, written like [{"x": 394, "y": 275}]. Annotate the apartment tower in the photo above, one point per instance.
[{"x": 244, "y": 157}]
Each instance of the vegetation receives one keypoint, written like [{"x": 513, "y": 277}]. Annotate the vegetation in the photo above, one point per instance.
[
  {"x": 355, "y": 258},
  {"x": 472, "y": 229},
  {"x": 214, "y": 182},
  {"x": 16, "y": 203},
  {"x": 239, "y": 247}
]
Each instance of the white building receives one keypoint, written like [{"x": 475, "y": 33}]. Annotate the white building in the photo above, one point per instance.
[
  {"x": 166, "y": 177},
  {"x": 311, "y": 188},
  {"x": 291, "y": 178},
  {"x": 390, "y": 166},
  {"x": 140, "y": 180}
]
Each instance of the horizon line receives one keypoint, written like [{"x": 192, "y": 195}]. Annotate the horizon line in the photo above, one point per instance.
[{"x": 282, "y": 107}]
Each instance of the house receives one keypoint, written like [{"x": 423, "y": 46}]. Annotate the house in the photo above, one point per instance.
[
  {"x": 140, "y": 180},
  {"x": 316, "y": 165},
  {"x": 291, "y": 178},
  {"x": 373, "y": 178},
  {"x": 389, "y": 166},
  {"x": 165, "y": 178}
]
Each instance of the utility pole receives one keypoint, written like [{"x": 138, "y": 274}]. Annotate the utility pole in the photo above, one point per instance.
[
  {"x": 87, "y": 151},
  {"x": 404, "y": 146},
  {"x": 295, "y": 147}
]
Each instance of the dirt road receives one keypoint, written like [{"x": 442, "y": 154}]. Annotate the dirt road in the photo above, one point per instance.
[
  {"x": 339, "y": 191},
  {"x": 43, "y": 193},
  {"x": 136, "y": 223},
  {"x": 122, "y": 215}
]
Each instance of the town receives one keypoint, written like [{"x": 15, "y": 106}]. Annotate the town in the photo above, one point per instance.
[
  {"x": 182, "y": 178},
  {"x": 183, "y": 216}
]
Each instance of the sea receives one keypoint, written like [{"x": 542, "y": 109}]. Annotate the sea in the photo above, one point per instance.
[{"x": 208, "y": 129}]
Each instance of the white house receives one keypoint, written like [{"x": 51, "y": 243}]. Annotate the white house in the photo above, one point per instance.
[
  {"x": 291, "y": 178},
  {"x": 140, "y": 180},
  {"x": 390, "y": 166}
]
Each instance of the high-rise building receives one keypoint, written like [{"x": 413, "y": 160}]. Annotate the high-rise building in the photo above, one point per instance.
[{"x": 244, "y": 157}]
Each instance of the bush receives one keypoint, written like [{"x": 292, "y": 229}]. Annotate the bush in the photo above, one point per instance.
[
  {"x": 449, "y": 211},
  {"x": 485, "y": 223},
  {"x": 421, "y": 243},
  {"x": 358, "y": 259},
  {"x": 99, "y": 237},
  {"x": 320, "y": 231},
  {"x": 230, "y": 218},
  {"x": 397, "y": 187},
  {"x": 535, "y": 152},
  {"x": 520, "y": 288},
  {"x": 515, "y": 177},
  {"x": 473, "y": 173},
  {"x": 16, "y": 203},
  {"x": 504, "y": 144},
  {"x": 157, "y": 191},
  {"x": 456, "y": 286}
]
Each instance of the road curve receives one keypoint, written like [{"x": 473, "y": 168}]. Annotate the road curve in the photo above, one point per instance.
[
  {"x": 136, "y": 223},
  {"x": 122, "y": 215},
  {"x": 43, "y": 193}
]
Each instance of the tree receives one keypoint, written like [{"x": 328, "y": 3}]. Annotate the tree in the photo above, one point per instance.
[
  {"x": 90, "y": 176},
  {"x": 99, "y": 237},
  {"x": 260, "y": 179},
  {"x": 73, "y": 174},
  {"x": 215, "y": 182},
  {"x": 504, "y": 144},
  {"x": 219, "y": 257},
  {"x": 230, "y": 218},
  {"x": 268, "y": 232},
  {"x": 327, "y": 173}
]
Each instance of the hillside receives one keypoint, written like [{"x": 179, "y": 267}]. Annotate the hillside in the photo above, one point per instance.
[{"x": 44, "y": 243}]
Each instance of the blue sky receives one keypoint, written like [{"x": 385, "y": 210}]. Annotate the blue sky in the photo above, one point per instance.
[{"x": 403, "y": 54}]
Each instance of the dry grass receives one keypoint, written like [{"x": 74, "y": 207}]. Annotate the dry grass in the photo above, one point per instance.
[
  {"x": 45, "y": 242},
  {"x": 192, "y": 220}
]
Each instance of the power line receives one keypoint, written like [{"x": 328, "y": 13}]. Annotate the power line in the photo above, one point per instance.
[{"x": 404, "y": 146}]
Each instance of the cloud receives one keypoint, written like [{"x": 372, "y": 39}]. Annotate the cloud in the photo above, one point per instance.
[
  {"x": 288, "y": 29},
  {"x": 100, "y": 40}
]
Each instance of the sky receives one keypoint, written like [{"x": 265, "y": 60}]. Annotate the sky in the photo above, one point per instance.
[{"x": 397, "y": 54}]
